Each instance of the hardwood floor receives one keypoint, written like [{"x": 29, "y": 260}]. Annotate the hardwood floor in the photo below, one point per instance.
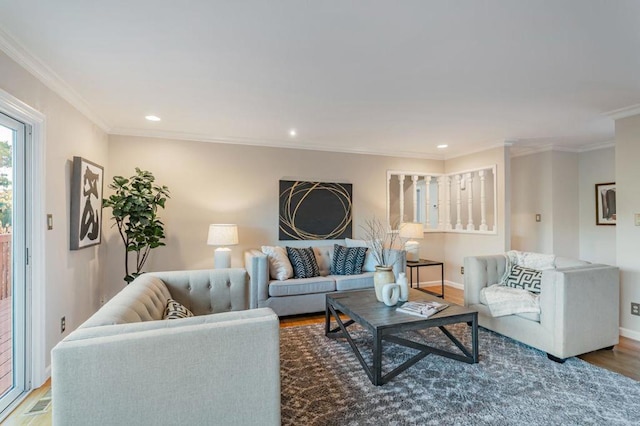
[{"x": 623, "y": 359}]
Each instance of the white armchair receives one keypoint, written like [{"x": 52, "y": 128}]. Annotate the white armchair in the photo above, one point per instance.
[{"x": 579, "y": 306}]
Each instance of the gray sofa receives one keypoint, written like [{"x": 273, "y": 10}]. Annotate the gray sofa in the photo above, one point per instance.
[
  {"x": 127, "y": 366},
  {"x": 579, "y": 305},
  {"x": 306, "y": 295}
]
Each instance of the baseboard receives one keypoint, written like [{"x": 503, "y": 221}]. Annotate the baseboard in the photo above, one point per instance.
[
  {"x": 630, "y": 334},
  {"x": 437, "y": 284}
]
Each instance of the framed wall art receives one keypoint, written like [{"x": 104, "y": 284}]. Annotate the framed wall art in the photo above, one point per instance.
[
  {"x": 606, "y": 203},
  {"x": 86, "y": 203},
  {"x": 315, "y": 210}
]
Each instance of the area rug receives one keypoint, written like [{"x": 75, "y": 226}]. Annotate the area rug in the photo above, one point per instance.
[{"x": 324, "y": 384}]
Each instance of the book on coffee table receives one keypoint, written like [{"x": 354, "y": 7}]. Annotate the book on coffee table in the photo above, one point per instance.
[{"x": 421, "y": 309}]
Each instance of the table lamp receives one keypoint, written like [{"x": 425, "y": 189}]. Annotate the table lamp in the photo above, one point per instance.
[
  {"x": 222, "y": 235},
  {"x": 411, "y": 231}
]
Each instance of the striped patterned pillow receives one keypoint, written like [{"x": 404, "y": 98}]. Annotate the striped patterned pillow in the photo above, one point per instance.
[
  {"x": 176, "y": 310},
  {"x": 348, "y": 260},
  {"x": 304, "y": 262}
]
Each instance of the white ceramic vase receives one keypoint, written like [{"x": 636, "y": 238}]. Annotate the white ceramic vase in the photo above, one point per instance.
[
  {"x": 404, "y": 287},
  {"x": 383, "y": 275}
]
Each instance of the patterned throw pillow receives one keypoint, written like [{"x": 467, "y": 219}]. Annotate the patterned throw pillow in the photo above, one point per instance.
[
  {"x": 524, "y": 278},
  {"x": 348, "y": 260},
  {"x": 304, "y": 262},
  {"x": 176, "y": 310}
]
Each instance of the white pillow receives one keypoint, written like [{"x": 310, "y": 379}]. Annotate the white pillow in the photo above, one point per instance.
[
  {"x": 279, "y": 266},
  {"x": 369, "y": 261},
  {"x": 531, "y": 260}
]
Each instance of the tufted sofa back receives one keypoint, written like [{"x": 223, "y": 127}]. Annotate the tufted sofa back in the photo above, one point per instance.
[{"x": 201, "y": 291}]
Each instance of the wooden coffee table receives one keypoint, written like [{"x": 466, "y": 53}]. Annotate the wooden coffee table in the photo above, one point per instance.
[{"x": 384, "y": 323}]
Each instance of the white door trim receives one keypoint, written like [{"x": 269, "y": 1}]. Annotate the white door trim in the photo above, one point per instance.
[{"x": 19, "y": 110}]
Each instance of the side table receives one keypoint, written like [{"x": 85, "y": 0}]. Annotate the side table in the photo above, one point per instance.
[{"x": 424, "y": 263}]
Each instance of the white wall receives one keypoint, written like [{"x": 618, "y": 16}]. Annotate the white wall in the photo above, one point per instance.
[
  {"x": 531, "y": 194},
  {"x": 627, "y": 234},
  {"x": 72, "y": 277},
  {"x": 597, "y": 243},
  {"x": 218, "y": 183},
  {"x": 565, "y": 190},
  {"x": 459, "y": 245},
  {"x": 545, "y": 183}
]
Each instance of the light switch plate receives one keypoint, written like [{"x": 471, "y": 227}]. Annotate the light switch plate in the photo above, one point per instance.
[
  {"x": 637, "y": 219},
  {"x": 538, "y": 217}
]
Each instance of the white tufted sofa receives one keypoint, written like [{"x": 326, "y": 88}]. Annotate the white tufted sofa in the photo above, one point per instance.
[
  {"x": 306, "y": 295},
  {"x": 125, "y": 365},
  {"x": 579, "y": 306}
]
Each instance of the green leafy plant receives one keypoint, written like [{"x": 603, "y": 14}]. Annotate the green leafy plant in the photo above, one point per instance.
[{"x": 135, "y": 206}]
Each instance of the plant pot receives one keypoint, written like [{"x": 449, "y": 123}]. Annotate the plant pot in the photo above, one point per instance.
[{"x": 383, "y": 275}]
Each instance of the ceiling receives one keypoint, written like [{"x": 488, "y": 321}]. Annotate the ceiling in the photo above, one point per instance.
[{"x": 386, "y": 77}]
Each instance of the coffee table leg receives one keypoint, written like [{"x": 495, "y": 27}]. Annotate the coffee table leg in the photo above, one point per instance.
[
  {"x": 377, "y": 358},
  {"x": 474, "y": 337}
]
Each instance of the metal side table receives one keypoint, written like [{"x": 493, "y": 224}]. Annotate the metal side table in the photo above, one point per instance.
[{"x": 424, "y": 263}]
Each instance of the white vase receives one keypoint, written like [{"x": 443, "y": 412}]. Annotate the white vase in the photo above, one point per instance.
[
  {"x": 383, "y": 275},
  {"x": 404, "y": 287}
]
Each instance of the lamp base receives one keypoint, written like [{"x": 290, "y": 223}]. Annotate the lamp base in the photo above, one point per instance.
[
  {"x": 413, "y": 251},
  {"x": 222, "y": 258}
]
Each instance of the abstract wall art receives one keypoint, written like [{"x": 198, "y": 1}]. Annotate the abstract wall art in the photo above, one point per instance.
[
  {"x": 606, "y": 203},
  {"x": 315, "y": 210},
  {"x": 86, "y": 203}
]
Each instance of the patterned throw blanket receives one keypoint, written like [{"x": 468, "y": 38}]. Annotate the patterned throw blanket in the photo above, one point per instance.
[{"x": 503, "y": 300}]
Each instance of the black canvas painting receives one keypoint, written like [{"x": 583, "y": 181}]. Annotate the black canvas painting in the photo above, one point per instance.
[{"x": 315, "y": 210}]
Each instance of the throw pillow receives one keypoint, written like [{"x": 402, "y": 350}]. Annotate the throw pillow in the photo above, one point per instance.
[
  {"x": 348, "y": 260},
  {"x": 279, "y": 266},
  {"x": 304, "y": 262},
  {"x": 369, "y": 261},
  {"x": 524, "y": 278},
  {"x": 176, "y": 310}
]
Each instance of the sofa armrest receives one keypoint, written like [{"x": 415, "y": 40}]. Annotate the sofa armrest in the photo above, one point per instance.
[
  {"x": 581, "y": 306},
  {"x": 195, "y": 374},
  {"x": 258, "y": 269},
  {"x": 480, "y": 272}
]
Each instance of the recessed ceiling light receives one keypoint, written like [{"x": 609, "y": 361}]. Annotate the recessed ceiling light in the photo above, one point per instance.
[
  {"x": 152, "y": 118},
  {"x": 442, "y": 146},
  {"x": 293, "y": 133}
]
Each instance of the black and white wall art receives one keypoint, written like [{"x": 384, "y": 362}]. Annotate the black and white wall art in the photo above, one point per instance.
[
  {"x": 86, "y": 203},
  {"x": 315, "y": 210},
  {"x": 606, "y": 203}
]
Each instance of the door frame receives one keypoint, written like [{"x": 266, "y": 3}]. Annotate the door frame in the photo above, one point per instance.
[{"x": 36, "y": 224}]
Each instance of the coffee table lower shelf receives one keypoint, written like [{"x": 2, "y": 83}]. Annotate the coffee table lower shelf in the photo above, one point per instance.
[{"x": 384, "y": 324}]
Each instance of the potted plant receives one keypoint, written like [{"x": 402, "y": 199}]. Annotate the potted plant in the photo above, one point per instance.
[
  {"x": 135, "y": 206},
  {"x": 380, "y": 241}
]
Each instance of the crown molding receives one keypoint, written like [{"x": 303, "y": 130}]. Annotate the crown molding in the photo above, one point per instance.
[
  {"x": 48, "y": 77},
  {"x": 481, "y": 149},
  {"x": 597, "y": 146},
  {"x": 625, "y": 112},
  {"x": 265, "y": 143},
  {"x": 529, "y": 150}
]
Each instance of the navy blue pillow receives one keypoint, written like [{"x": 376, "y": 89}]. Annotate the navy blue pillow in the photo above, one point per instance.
[
  {"x": 348, "y": 260},
  {"x": 304, "y": 262}
]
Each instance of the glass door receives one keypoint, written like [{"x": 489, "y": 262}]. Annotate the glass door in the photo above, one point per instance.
[{"x": 13, "y": 288}]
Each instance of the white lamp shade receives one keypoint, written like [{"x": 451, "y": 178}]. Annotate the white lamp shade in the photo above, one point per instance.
[
  {"x": 411, "y": 230},
  {"x": 222, "y": 235}
]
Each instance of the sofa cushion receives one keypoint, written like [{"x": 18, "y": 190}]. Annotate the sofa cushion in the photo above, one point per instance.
[
  {"x": 353, "y": 282},
  {"x": 279, "y": 265},
  {"x": 369, "y": 261},
  {"x": 297, "y": 286},
  {"x": 176, "y": 310},
  {"x": 347, "y": 260},
  {"x": 524, "y": 278},
  {"x": 303, "y": 261},
  {"x": 324, "y": 258},
  {"x": 142, "y": 300}
]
